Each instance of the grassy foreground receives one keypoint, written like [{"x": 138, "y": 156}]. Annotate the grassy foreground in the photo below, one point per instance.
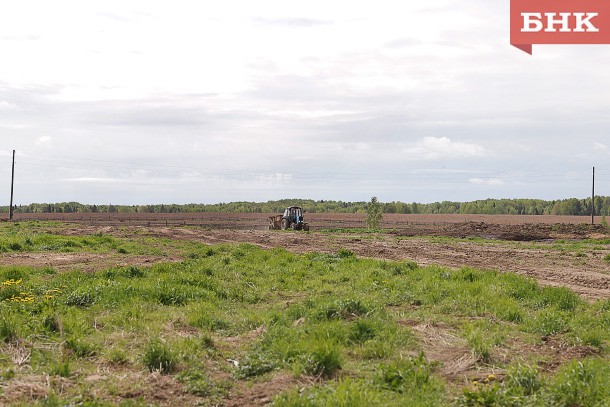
[{"x": 303, "y": 330}]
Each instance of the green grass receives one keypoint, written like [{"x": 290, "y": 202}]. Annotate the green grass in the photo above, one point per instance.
[{"x": 230, "y": 316}]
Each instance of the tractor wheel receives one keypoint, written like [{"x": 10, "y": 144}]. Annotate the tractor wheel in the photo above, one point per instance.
[
  {"x": 306, "y": 227},
  {"x": 285, "y": 224}
]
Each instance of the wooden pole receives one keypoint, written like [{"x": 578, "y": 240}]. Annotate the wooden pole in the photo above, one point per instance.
[
  {"x": 593, "y": 199},
  {"x": 10, "y": 210}
]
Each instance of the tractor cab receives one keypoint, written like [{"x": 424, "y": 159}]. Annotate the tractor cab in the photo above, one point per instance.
[
  {"x": 293, "y": 219},
  {"x": 294, "y": 214}
]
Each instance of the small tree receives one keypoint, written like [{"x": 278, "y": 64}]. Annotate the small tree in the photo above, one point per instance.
[{"x": 373, "y": 214}]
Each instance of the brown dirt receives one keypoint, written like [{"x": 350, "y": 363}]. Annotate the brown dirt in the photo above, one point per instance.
[
  {"x": 87, "y": 262},
  {"x": 218, "y": 220},
  {"x": 262, "y": 394}
]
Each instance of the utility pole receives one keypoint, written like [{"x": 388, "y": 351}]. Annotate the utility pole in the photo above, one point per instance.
[
  {"x": 593, "y": 200},
  {"x": 10, "y": 210}
]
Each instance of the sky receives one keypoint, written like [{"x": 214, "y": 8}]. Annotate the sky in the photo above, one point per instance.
[{"x": 141, "y": 102}]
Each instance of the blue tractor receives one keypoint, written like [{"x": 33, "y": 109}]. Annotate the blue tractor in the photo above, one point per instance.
[{"x": 291, "y": 219}]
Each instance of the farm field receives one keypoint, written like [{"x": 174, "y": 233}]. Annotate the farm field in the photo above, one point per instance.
[
  {"x": 224, "y": 220},
  {"x": 444, "y": 311}
]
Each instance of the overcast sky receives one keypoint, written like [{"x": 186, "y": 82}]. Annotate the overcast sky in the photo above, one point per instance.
[{"x": 130, "y": 102}]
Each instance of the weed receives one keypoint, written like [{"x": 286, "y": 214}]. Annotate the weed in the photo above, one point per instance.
[
  {"x": 362, "y": 330},
  {"x": 547, "y": 322},
  {"x": 345, "y": 254},
  {"x": 523, "y": 380},
  {"x": 14, "y": 246},
  {"x": 479, "y": 343},
  {"x": 344, "y": 309},
  {"x": 51, "y": 323},
  {"x": 323, "y": 360},
  {"x": 197, "y": 383},
  {"x": 170, "y": 294},
  {"x": 61, "y": 368},
  {"x": 80, "y": 298},
  {"x": 582, "y": 383},
  {"x": 562, "y": 298},
  {"x": 254, "y": 364},
  {"x": 158, "y": 357},
  {"x": 132, "y": 272},
  {"x": 8, "y": 329},
  {"x": 80, "y": 348},
  {"x": 346, "y": 392},
  {"x": 117, "y": 357}
]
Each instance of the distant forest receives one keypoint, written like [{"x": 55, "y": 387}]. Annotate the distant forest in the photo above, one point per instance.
[{"x": 572, "y": 206}]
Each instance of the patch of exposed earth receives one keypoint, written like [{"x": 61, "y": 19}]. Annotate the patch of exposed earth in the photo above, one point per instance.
[{"x": 87, "y": 262}]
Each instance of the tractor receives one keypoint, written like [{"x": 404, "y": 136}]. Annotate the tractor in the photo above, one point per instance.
[{"x": 291, "y": 219}]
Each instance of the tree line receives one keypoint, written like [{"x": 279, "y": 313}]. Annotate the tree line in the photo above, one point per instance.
[{"x": 572, "y": 206}]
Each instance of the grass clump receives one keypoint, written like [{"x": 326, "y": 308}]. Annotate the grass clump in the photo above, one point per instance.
[
  {"x": 411, "y": 378},
  {"x": 254, "y": 364},
  {"x": 322, "y": 360},
  {"x": 581, "y": 383},
  {"x": 159, "y": 357},
  {"x": 8, "y": 328}
]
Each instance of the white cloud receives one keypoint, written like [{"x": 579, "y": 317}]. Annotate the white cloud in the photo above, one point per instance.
[
  {"x": 600, "y": 146},
  {"x": 273, "y": 178},
  {"x": 96, "y": 180},
  {"x": 44, "y": 140},
  {"x": 430, "y": 148},
  {"x": 487, "y": 181},
  {"x": 4, "y": 105}
]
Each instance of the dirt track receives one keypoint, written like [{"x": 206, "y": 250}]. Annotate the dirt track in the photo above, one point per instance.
[{"x": 585, "y": 271}]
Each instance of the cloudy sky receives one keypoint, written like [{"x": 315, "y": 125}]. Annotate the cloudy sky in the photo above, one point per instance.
[{"x": 131, "y": 102}]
